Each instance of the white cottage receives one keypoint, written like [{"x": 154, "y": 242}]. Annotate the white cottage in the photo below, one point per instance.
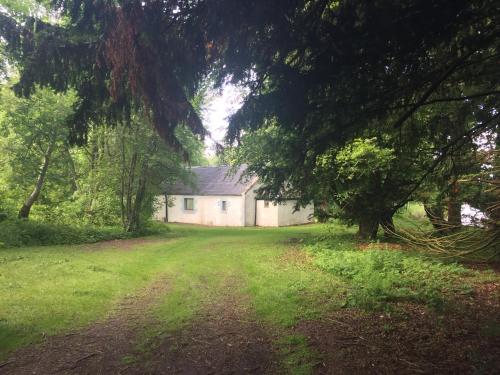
[{"x": 216, "y": 198}]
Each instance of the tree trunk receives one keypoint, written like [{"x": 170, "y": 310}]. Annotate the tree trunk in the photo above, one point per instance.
[
  {"x": 122, "y": 182},
  {"x": 368, "y": 228},
  {"x": 134, "y": 222},
  {"x": 387, "y": 224},
  {"x": 129, "y": 192},
  {"x": 72, "y": 169},
  {"x": 94, "y": 166},
  {"x": 435, "y": 214},
  {"x": 454, "y": 207},
  {"x": 24, "y": 212}
]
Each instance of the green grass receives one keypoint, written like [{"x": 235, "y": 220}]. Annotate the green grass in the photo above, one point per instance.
[
  {"x": 48, "y": 290},
  {"x": 45, "y": 290},
  {"x": 298, "y": 358},
  {"x": 412, "y": 216},
  {"x": 377, "y": 276}
]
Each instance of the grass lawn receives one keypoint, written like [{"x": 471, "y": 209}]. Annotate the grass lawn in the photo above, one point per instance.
[{"x": 287, "y": 282}]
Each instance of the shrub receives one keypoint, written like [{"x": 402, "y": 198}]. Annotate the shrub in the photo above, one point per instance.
[
  {"x": 16, "y": 233},
  {"x": 380, "y": 276}
]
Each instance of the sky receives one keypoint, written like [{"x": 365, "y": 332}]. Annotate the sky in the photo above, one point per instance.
[{"x": 220, "y": 105}]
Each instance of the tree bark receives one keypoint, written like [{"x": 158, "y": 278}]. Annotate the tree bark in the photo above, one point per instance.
[
  {"x": 368, "y": 228},
  {"x": 122, "y": 182},
  {"x": 72, "y": 169},
  {"x": 435, "y": 214},
  {"x": 134, "y": 222},
  {"x": 94, "y": 165},
  {"x": 454, "y": 207},
  {"x": 387, "y": 224},
  {"x": 129, "y": 189},
  {"x": 24, "y": 212}
]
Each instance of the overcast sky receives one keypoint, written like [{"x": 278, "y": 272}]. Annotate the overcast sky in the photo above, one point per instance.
[{"x": 220, "y": 106}]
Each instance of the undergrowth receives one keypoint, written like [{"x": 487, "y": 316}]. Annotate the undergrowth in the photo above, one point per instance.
[
  {"x": 17, "y": 233},
  {"x": 377, "y": 277}
]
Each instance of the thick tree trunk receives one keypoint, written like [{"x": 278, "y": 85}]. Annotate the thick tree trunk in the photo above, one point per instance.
[
  {"x": 387, "y": 224},
  {"x": 24, "y": 212},
  {"x": 368, "y": 228}
]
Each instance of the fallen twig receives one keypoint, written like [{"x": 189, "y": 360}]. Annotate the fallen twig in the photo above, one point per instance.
[
  {"x": 6, "y": 363},
  {"x": 200, "y": 341},
  {"x": 78, "y": 361}
]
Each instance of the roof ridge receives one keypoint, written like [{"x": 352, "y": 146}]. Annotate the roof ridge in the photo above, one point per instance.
[{"x": 213, "y": 180}]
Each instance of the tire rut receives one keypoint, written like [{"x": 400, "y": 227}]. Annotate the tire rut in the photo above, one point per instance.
[
  {"x": 222, "y": 339},
  {"x": 97, "y": 349}
]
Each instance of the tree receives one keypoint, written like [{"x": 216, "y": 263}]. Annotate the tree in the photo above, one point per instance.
[
  {"x": 119, "y": 57},
  {"x": 121, "y": 171},
  {"x": 325, "y": 72},
  {"x": 321, "y": 76},
  {"x": 35, "y": 133},
  {"x": 361, "y": 173}
]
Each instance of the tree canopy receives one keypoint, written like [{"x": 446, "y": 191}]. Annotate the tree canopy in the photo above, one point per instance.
[{"x": 420, "y": 76}]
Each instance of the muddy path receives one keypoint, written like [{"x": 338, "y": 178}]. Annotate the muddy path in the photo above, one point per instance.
[
  {"x": 415, "y": 340},
  {"x": 220, "y": 340},
  {"x": 97, "y": 349}
]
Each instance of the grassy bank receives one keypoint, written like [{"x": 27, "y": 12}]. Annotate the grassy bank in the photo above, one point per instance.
[{"x": 18, "y": 233}]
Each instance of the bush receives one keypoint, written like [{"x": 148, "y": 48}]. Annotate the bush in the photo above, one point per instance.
[
  {"x": 16, "y": 233},
  {"x": 380, "y": 276}
]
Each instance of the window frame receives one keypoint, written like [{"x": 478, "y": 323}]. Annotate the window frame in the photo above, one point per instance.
[
  {"x": 223, "y": 206},
  {"x": 186, "y": 205}
]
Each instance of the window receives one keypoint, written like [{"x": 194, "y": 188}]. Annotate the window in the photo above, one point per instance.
[
  {"x": 189, "y": 204},
  {"x": 223, "y": 206},
  {"x": 266, "y": 204}
]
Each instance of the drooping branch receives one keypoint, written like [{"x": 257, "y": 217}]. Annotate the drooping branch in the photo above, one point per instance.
[
  {"x": 118, "y": 65},
  {"x": 443, "y": 154}
]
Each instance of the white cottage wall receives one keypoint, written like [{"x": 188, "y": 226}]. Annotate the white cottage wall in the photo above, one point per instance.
[
  {"x": 160, "y": 208},
  {"x": 267, "y": 216},
  {"x": 208, "y": 210},
  {"x": 286, "y": 215}
]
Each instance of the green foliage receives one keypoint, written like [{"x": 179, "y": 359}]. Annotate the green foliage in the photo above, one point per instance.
[
  {"x": 412, "y": 216},
  {"x": 121, "y": 171},
  {"x": 86, "y": 51},
  {"x": 112, "y": 180},
  {"x": 323, "y": 83},
  {"x": 361, "y": 160},
  {"x": 322, "y": 73},
  {"x": 360, "y": 174},
  {"x": 19, "y": 233},
  {"x": 365, "y": 182},
  {"x": 267, "y": 152},
  {"x": 34, "y": 150},
  {"x": 378, "y": 277}
]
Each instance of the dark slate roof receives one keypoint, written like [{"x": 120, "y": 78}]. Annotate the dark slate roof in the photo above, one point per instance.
[{"x": 213, "y": 181}]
